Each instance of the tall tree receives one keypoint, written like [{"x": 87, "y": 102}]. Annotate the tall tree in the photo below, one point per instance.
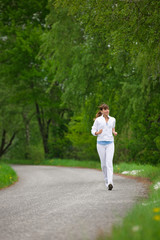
[
  {"x": 129, "y": 31},
  {"x": 22, "y": 25}
]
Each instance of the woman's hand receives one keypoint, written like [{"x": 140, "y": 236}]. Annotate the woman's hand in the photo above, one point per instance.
[
  {"x": 99, "y": 132},
  {"x": 115, "y": 133}
]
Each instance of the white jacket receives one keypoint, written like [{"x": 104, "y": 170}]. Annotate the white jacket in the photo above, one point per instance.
[{"x": 100, "y": 123}]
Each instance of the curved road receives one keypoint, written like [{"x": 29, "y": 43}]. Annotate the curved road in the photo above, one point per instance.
[{"x": 58, "y": 203}]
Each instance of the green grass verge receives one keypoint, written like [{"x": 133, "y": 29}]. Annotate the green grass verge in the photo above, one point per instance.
[
  {"x": 143, "y": 220},
  {"x": 57, "y": 162},
  {"x": 7, "y": 176},
  {"x": 72, "y": 163},
  {"x": 146, "y": 171}
]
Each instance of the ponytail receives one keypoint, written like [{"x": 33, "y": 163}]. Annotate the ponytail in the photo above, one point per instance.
[{"x": 99, "y": 113}]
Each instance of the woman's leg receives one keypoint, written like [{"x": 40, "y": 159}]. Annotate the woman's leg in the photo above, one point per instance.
[
  {"x": 109, "y": 162},
  {"x": 101, "y": 149}
]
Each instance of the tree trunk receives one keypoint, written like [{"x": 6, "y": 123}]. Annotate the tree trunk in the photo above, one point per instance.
[
  {"x": 26, "y": 121},
  {"x": 44, "y": 128},
  {"x": 5, "y": 146}
]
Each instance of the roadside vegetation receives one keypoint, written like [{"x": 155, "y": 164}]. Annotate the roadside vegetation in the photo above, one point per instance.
[
  {"x": 56, "y": 162},
  {"x": 7, "y": 176},
  {"x": 143, "y": 221}
]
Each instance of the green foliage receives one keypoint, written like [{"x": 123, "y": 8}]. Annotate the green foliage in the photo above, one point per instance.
[
  {"x": 61, "y": 59},
  {"x": 83, "y": 145},
  {"x": 21, "y": 26},
  {"x": 56, "y": 162},
  {"x": 7, "y": 175},
  {"x": 125, "y": 39},
  {"x": 36, "y": 153},
  {"x": 24, "y": 81}
]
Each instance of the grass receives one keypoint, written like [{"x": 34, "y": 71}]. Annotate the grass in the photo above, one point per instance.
[
  {"x": 72, "y": 163},
  {"x": 7, "y": 176},
  {"x": 143, "y": 221},
  {"x": 146, "y": 171},
  {"x": 57, "y": 162}
]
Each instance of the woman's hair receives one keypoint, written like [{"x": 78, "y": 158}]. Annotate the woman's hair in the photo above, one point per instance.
[{"x": 101, "y": 107}]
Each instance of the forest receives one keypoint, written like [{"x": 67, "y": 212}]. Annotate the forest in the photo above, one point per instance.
[{"x": 61, "y": 59}]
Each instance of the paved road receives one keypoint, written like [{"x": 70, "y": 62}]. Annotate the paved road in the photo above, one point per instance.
[{"x": 57, "y": 203}]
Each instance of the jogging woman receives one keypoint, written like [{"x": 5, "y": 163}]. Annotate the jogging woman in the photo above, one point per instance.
[{"x": 104, "y": 129}]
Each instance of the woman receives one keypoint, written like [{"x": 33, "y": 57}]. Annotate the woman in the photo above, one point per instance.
[{"x": 104, "y": 128}]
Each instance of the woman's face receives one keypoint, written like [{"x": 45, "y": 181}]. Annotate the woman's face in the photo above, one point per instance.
[{"x": 105, "y": 112}]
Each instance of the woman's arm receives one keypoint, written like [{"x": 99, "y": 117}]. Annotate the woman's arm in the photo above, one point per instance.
[
  {"x": 114, "y": 132},
  {"x": 94, "y": 130},
  {"x": 98, "y": 132}
]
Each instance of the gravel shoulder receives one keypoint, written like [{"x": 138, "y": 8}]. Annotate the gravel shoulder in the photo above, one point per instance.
[{"x": 64, "y": 203}]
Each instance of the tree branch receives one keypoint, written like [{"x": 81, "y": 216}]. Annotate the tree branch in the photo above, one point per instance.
[{"x": 4, "y": 149}]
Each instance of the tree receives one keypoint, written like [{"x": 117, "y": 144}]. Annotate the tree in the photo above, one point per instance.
[
  {"x": 22, "y": 26},
  {"x": 9, "y": 115},
  {"x": 129, "y": 36}
]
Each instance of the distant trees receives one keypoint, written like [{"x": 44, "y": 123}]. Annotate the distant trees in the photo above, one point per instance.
[
  {"x": 24, "y": 82},
  {"x": 61, "y": 59},
  {"x": 117, "y": 61}
]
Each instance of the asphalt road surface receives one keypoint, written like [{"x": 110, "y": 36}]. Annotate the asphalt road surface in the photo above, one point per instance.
[{"x": 58, "y": 203}]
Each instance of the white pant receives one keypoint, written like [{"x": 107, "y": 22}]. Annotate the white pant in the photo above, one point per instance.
[{"x": 106, "y": 153}]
